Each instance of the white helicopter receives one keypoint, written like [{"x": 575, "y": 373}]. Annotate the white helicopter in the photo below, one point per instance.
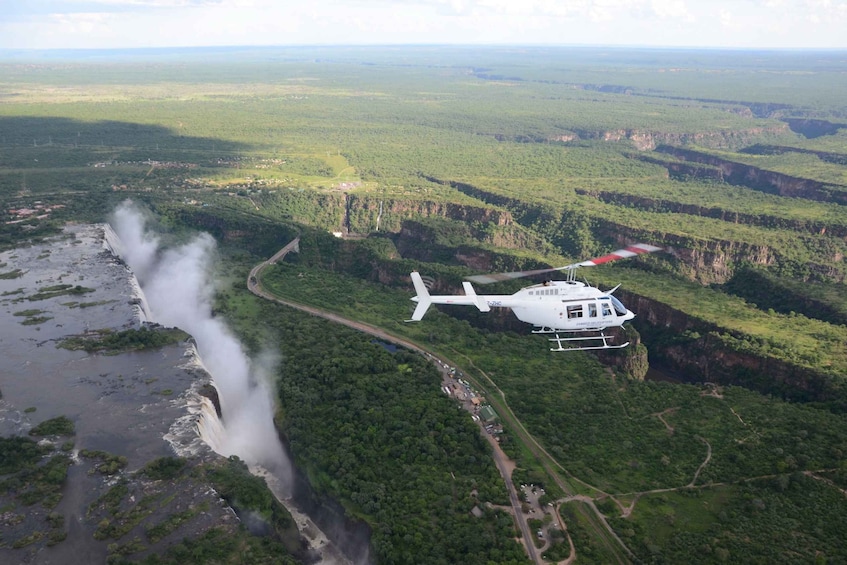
[{"x": 574, "y": 312}]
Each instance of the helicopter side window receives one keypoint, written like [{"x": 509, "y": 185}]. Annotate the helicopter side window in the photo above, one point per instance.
[
  {"x": 607, "y": 310},
  {"x": 620, "y": 309},
  {"x": 575, "y": 311},
  {"x": 592, "y": 310}
]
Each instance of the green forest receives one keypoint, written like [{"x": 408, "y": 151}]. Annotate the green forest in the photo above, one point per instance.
[{"x": 458, "y": 161}]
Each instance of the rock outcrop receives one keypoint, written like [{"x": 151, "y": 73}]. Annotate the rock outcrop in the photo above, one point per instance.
[
  {"x": 760, "y": 179},
  {"x": 647, "y": 140},
  {"x": 698, "y": 351},
  {"x": 367, "y": 213},
  {"x": 735, "y": 217}
]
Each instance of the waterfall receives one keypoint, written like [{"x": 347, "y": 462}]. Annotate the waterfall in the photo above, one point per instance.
[
  {"x": 176, "y": 286},
  {"x": 112, "y": 244}
]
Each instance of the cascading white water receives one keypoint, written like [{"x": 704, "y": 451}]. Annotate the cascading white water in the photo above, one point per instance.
[
  {"x": 176, "y": 288},
  {"x": 112, "y": 243},
  {"x": 202, "y": 412},
  {"x": 210, "y": 427}
]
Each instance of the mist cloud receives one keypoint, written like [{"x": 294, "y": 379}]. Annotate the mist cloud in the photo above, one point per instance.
[{"x": 179, "y": 286}]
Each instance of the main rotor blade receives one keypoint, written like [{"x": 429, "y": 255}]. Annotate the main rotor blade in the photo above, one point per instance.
[
  {"x": 498, "y": 277},
  {"x": 624, "y": 253}
]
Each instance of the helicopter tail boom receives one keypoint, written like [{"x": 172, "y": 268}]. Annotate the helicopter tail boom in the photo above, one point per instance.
[{"x": 425, "y": 299}]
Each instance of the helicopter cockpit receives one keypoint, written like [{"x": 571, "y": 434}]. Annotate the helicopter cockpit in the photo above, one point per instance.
[{"x": 620, "y": 309}]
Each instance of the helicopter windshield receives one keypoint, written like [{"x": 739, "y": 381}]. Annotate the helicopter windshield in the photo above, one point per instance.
[{"x": 619, "y": 308}]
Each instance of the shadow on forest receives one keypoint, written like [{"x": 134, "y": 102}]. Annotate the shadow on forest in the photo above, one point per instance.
[
  {"x": 29, "y": 131},
  {"x": 812, "y": 128},
  {"x": 61, "y": 156}
]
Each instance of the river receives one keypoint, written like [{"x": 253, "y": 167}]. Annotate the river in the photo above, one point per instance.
[{"x": 141, "y": 405}]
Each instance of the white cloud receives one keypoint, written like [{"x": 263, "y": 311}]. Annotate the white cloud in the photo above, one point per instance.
[
  {"x": 81, "y": 22},
  {"x": 136, "y": 23},
  {"x": 727, "y": 19},
  {"x": 139, "y": 3},
  {"x": 671, "y": 9}
]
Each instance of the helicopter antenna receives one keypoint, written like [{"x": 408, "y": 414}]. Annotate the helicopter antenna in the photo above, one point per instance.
[{"x": 625, "y": 253}]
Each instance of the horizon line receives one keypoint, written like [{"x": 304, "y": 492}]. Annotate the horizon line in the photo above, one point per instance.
[{"x": 9, "y": 50}]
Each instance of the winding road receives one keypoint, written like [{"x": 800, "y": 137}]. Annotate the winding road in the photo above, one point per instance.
[{"x": 504, "y": 466}]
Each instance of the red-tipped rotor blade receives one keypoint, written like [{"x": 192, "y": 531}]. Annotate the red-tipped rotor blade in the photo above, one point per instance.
[
  {"x": 624, "y": 253},
  {"x": 631, "y": 251},
  {"x": 498, "y": 277}
]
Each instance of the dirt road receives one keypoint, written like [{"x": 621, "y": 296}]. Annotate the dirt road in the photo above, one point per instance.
[{"x": 504, "y": 465}]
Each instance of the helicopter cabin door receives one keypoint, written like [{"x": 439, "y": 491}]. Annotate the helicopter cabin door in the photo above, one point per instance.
[{"x": 605, "y": 308}]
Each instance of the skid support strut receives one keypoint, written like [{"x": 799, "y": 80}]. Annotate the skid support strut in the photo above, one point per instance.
[{"x": 579, "y": 342}]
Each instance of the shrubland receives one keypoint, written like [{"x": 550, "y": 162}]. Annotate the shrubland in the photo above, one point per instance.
[{"x": 458, "y": 160}]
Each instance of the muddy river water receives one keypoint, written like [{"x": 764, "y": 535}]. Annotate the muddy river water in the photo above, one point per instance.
[
  {"x": 118, "y": 403},
  {"x": 140, "y": 405}
]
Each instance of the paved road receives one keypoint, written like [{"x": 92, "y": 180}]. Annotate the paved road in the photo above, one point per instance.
[
  {"x": 500, "y": 458},
  {"x": 502, "y": 463}
]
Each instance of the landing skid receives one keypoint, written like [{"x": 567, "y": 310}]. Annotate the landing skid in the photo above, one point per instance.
[{"x": 580, "y": 343}]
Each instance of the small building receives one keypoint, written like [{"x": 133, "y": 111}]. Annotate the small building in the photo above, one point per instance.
[{"x": 487, "y": 414}]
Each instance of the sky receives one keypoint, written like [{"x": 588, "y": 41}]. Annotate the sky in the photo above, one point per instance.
[{"x": 87, "y": 24}]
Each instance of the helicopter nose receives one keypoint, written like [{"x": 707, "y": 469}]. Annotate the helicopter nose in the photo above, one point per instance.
[{"x": 629, "y": 315}]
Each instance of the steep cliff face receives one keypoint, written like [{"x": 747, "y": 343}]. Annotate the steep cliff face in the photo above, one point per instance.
[
  {"x": 698, "y": 351},
  {"x": 705, "y": 261},
  {"x": 681, "y": 169},
  {"x": 763, "y": 220},
  {"x": 827, "y": 156},
  {"x": 759, "y": 179},
  {"x": 633, "y": 360},
  {"x": 715, "y": 261},
  {"x": 424, "y": 242},
  {"x": 646, "y": 140},
  {"x": 366, "y": 214},
  {"x": 481, "y": 194},
  {"x": 785, "y": 296}
]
